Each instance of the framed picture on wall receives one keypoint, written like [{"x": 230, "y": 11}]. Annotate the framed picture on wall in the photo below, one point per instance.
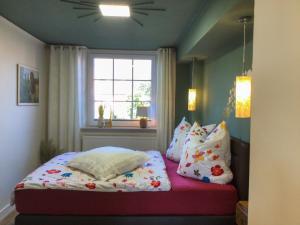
[{"x": 28, "y": 85}]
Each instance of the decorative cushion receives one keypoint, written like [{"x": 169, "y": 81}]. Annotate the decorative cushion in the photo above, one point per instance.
[
  {"x": 196, "y": 132},
  {"x": 209, "y": 128},
  {"x": 208, "y": 161},
  {"x": 221, "y": 134},
  {"x": 175, "y": 149},
  {"x": 108, "y": 162}
]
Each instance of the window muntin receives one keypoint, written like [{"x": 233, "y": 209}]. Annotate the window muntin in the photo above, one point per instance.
[{"x": 121, "y": 83}]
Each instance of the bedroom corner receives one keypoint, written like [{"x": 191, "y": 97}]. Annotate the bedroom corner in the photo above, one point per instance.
[
  {"x": 22, "y": 127},
  {"x": 142, "y": 112}
]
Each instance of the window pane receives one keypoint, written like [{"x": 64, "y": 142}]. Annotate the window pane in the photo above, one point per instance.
[
  {"x": 123, "y": 91},
  {"x": 142, "y": 90},
  {"x": 103, "y": 68},
  {"x": 103, "y": 90},
  {"x": 123, "y": 69},
  {"x": 122, "y": 110},
  {"x": 137, "y": 104},
  {"x": 107, "y": 107},
  {"x": 142, "y": 69}
]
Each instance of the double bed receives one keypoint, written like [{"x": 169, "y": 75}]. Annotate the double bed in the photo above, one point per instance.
[{"x": 188, "y": 202}]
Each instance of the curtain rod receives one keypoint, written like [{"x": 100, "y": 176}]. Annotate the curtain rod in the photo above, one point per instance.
[{"x": 67, "y": 46}]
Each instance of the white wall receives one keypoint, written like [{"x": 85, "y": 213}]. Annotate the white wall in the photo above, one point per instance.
[
  {"x": 21, "y": 127},
  {"x": 275, "y": 123}
]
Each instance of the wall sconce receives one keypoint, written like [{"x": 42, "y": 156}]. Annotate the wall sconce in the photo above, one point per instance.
[
  {"x": 243, "y": 83},
  {"x": 192, "y": 100},
  {"x": 243, "y": 97}
]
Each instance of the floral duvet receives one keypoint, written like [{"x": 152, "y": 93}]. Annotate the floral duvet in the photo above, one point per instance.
[{"x": 55, "y": 174}]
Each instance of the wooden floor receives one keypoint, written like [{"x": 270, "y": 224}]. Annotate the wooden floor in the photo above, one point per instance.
[{"x": 10, "y": 219}]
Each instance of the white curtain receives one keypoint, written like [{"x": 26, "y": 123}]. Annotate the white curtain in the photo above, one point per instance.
[
  {"x": 66, "y": 107},
  {"x": 166, "y": 85}
]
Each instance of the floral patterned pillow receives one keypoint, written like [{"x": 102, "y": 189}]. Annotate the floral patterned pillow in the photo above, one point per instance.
[
  {"x": 209, "y": 128},
  {"x": 196, "y": 133},
  {"x": 207, "y": 161},
  {"x": 175, "y": 149}
]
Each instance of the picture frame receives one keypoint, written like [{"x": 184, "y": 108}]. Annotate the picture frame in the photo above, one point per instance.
[{"x": 28, "y": 82}]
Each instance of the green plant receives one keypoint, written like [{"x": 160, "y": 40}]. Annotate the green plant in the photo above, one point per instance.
[
  {"x": 101, "y": 111},
  {"x": 144, "y": 90},
  {"x": 48, "y": 150},
  {"x": 230, "y": 106}
]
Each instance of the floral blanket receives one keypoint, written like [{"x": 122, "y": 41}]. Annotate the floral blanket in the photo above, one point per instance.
[{"x": 55, "y": 174}]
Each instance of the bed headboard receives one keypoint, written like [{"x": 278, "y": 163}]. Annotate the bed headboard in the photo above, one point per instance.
[{"x": 240, "y": 157}]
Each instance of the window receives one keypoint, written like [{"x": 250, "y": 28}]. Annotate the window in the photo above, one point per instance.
[{"x": 121, "y": 83}]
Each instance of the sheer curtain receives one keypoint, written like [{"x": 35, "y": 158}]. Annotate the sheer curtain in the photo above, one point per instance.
[
  {"x": 166, "y": 85},
  {"x": 66, "y": 107}
]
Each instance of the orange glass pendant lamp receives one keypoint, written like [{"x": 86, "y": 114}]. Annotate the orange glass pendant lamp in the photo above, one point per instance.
[
  {"x": 192, "y": 100},
  {"x": 243, "y": 97},
  {"x": 243, "y": 84}
]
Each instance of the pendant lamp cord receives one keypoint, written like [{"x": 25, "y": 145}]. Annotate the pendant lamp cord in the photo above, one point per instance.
[
  {"x": 244, "y": 48},
  {"x": 193, "y": 71}
]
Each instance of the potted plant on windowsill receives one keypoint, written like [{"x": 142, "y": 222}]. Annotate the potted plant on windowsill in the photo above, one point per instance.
[
  {"x": 142, "y": 113},
  {"x": 101, "y": 121}
]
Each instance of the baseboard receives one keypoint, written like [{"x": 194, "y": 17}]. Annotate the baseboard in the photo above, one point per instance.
[{"x": 6, "y": 210}]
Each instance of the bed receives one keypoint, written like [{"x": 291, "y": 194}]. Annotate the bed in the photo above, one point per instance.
[{"x": 188, "y": 202}]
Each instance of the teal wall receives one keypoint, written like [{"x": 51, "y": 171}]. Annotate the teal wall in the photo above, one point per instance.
[
  {"x": 185, "y": 79},
  {"x": 183, "y": 83},
  {"x": 218, "y": 78},
  {"x": 197, "y": 83},
  {"x": 213, "y": 79}
]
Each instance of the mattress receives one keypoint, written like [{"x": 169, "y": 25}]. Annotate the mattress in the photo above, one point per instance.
[{"x": 186, "y": 197}]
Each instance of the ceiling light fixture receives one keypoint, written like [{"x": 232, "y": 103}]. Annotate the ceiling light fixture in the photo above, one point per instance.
[
  {"x": 99, "y": 9},
  {"x": 115, "y": 10}
]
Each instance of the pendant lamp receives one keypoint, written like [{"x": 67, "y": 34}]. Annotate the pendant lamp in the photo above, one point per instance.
[
  {"x": 243, "y": 84},
  {"x": 192, "y": 95}
]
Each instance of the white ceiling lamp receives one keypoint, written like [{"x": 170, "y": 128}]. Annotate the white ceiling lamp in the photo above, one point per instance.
[
  {"x": 115, "y": 10},
  {"x": 108, "y": 8}
]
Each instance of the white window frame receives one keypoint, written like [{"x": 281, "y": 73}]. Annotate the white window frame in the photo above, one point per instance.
[{"x": 122, "y": 54}]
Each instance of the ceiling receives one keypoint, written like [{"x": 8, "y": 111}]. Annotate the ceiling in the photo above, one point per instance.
[
  {"x": 55, "y": 22},
  {"x": 226, "y": 34}
]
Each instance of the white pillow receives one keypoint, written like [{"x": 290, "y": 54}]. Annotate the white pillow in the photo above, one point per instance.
[
  {"x": 108, "y": 162},
  {"x": 209, "y": 128},
  {"x": 175, "y": 149},
  {"x": 208, "y": 161}
]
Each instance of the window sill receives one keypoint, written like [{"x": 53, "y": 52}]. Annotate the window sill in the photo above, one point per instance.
[{"x": 122, "y": 130}]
